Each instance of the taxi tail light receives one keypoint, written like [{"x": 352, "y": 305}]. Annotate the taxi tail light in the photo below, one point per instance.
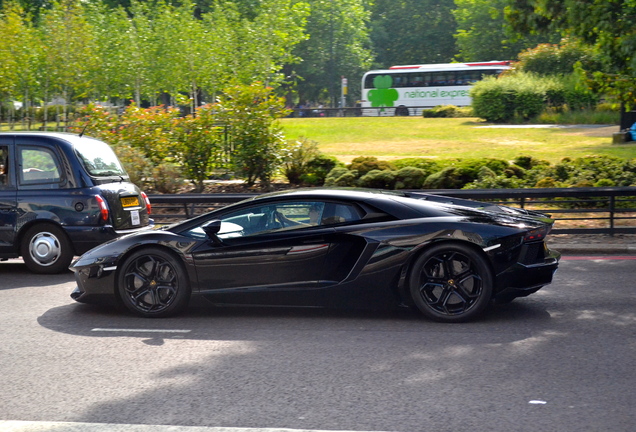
[
  {"x": 103, "y": 208},
  {"x": 147, "y": 200},
  {"x": 538, "y": 234}
]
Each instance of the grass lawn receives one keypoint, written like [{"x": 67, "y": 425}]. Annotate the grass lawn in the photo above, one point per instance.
[{"x": 399, "y": 137}]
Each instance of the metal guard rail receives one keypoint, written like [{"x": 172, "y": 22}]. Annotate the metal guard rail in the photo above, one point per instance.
[{"x": 576, "y": 210}]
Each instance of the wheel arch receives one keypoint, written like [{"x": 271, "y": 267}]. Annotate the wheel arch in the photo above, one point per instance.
[
  {"x": 403, "y": 286},
  {"x": 40, "y": 221},
  {"x": 142, "y": 246}
]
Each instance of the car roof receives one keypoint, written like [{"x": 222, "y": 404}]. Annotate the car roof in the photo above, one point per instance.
[
  {"x": 72, "y": 138},
  {"x": 330, "y": 193}
]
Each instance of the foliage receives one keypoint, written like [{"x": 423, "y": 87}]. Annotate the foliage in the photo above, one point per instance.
[
  {"x": 318, "y": 168},
  {"x": 413, "y": 32},
  {"x": 379, "y": 179},
  {"x": 365, "y": 164},
  {"x": 147, "y": 51},
  {"x": 337, "y": 46},
  {"x": 341, "y": 177},
  {"x": 522, "y": 96},
  {"x": 483, "y": 33},
  {"x": 303, "y": 163},
  {"x": 296, "y": 159},
  {"x": 410, "y": 178},
  {"x": 167, "y": 177},
  {"x": 605, "y": 25},
  {"x": 240, "y": 132},
  {"x": 200, "y": 145},
  {"x": 250, "y": 113},
  {"x": 447, "y": 111},
  {"x": 558, "y": 59}
]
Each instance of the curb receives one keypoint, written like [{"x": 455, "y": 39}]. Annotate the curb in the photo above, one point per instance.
[{"x": 593, "y": 249}]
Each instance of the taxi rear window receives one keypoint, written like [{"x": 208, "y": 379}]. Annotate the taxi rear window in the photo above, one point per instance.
[{"x": 99, "y": 159}]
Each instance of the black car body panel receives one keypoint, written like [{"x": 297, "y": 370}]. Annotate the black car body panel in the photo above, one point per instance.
[
  {"x": 51, "y": 181},
  {"x": 362, "y": 262}
]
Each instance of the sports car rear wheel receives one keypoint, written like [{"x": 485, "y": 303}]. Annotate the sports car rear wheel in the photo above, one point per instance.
[
  {"x": 451, "y": 283},
  {"x": 153, "y": 283}
]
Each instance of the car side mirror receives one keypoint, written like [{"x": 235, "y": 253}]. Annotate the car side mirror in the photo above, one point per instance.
[{"x": 211, "y": 230}]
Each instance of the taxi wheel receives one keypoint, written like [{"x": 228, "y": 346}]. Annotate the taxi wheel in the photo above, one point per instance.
[{"x": 46, "y": 249}]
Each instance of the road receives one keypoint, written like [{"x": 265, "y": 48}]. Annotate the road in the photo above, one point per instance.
[{"x": 560, "y": 360}]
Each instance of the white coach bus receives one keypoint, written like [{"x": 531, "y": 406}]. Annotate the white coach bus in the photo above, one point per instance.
[{"x": 406, "y": 90}]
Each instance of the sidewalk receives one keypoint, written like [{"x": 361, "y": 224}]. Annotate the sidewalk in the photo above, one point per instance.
[{"x": 593, "y": 244}]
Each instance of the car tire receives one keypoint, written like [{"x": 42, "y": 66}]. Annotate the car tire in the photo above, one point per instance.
[
  {"x": 46, "y": 249},
  {"x": 152, "y": 282},
  {"x": 451, "y": 283}
]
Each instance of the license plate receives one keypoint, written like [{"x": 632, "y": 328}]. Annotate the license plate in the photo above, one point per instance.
[{"x": 129, "y": 201}]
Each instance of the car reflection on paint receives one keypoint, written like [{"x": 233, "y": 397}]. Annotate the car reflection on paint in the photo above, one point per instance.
[{"x": 333, "y": 248}]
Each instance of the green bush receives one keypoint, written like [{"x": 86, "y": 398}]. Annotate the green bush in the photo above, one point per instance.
[
  {"x": 410, "y": 178},
  {"x": 296, "y": 158},
  {"x": 365, "y": 164},
  {"x": 523, "y": 96},
  {"x": 552, "y": 59},
  {"x": 167, "y": 177},
  {"x": 341, "y": 177},
  {"x": 427, "y": 165},
  {"x": 379, "y": 179},
  {"x": 447, "y": 111},
  {"x": 318, "y": 168}
]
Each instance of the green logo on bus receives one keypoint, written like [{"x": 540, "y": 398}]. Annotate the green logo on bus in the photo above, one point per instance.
[{"x": 383, "y": 95}]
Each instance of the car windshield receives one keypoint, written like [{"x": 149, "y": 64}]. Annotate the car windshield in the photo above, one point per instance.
[{"x": 99, "y": 159}]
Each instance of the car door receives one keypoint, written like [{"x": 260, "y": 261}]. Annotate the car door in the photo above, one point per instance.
[
  {"x": 8, "y": 196},
  {"x": 274, "y": 253}
]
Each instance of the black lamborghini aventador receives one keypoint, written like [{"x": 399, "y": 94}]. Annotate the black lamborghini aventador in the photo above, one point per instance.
[{"x": 332, "y": 248}]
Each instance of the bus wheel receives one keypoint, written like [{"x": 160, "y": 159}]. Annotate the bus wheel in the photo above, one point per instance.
[{"x": 401, "y": 111}]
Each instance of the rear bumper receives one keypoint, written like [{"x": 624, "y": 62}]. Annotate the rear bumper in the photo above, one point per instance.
[
  {"x": 85, "y": 238},
  {"x": 521, "y": 280}
]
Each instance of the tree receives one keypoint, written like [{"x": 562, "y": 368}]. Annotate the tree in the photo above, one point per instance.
[
  {"x": 250, "y": 113},
  {"x": 413, "y": 31},
  {"x": 484, "y": 34},
  {"x": 20, "y": 54},
  {"x": 70, "y": 51},
  {"x": 607, "y": 25},
  {"x": 338, "y": 46}
]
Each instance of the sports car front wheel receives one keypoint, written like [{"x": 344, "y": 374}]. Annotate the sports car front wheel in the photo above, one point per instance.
[
  {"x": 153, "y": 283},
  {"x": 451, "y": 283}
]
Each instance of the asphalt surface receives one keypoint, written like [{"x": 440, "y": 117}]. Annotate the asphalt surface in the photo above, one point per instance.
[{"x": 63, "y": 316}]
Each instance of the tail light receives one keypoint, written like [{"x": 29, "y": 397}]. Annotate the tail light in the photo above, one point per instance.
[
  {"x": 537, "y": 234},
  {"x": 147, "y": 200},
  {"x": 103, "y": 208}
]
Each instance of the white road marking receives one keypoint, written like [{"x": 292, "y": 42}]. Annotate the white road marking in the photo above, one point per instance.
[
  {"x": 29, "y": 426},
  {"x": 537, "y": 402},
  {"x": 123, "y": 330}
]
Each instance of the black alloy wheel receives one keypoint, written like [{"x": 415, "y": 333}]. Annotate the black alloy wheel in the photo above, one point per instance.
[
  {"x": 153, "y": 283},
  {"x": 451, "y": 283}
]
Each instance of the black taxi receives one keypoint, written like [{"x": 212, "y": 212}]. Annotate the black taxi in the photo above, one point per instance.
[{"x": 62, "y": 194}]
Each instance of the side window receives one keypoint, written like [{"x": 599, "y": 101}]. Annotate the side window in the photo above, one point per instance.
[
  {"x": 286, "y": 216},
  {"x": 271, "y": 218},
  {"x": 339, "y": 213},
  {"x": 39, "y": 167},
  {"x": 281, "y": 217},
  {"x": 4, "y": 167}
]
